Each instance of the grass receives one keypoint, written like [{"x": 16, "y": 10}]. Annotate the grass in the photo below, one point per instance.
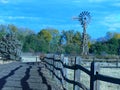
[
  {"x": 85, "y": 79},
  {"x": 114, "y": 72}
]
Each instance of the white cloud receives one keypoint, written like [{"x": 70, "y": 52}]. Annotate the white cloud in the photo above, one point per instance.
[
  {"x": 76, "y": 1},
  {"x": 91, "y": 1},
  {"x": 10, "y": 1},
  {"x": 16, "y": 1},
  {"x": 112, "y": 22},
  {"x": 18, "y": 17},
  {"x": 116, "y": 4},
  {"x": 97, "y": 0},
  {"x": 114, "y": 27},
  {"x": 4, "y": 1},
  {"x": 62, "y": 26},
  {"x": 2, "y": 21}
]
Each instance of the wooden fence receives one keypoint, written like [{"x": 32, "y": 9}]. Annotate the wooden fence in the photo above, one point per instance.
[{"x": 58, "y": 68}]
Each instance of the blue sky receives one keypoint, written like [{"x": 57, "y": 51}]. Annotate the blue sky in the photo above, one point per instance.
[{"x": 39, "y": 14}]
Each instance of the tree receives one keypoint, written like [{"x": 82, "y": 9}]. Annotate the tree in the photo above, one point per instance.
[
  {"x": 68, "y": 36},
  {"x": 10, "y": 47},
  {"x": 3, "y": 29},
  {"x": 109, "y": 35},
  {"x": 72, "y": 41},
  {"x": 45, "y": 37},
  {"x": 111, "y": 46},
  {"x": 116, "y": 36},
  {"x": 54, "y": 43},
  {"x": 45, "y": 34},
  {"x": 77, "y": 38},
  {"x": 32, "y": 43},
  {"x": 12, "y": 28}
]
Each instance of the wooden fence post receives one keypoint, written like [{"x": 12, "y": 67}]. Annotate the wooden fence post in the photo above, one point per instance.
[
  {"x": 36, "y": 60},
  {"x": 65, "y": 71},
  {"x": 52, "y": 62},
  {"x": 61, "y": 66},
  {"x": 117, "y": 62},
  {"x": 56, "y": 71},
  {"x": 94, "y": 84},
  {"x": 77, "y": 73}
]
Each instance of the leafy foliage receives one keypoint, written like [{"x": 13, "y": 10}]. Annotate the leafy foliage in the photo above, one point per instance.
[
  {"x": 51, "y": 40},
  {"x": 111, "y": 46}
]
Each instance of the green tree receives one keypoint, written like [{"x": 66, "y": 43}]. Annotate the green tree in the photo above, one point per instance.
[
  {"x": 45, "y": 35},
  {"x": 109, "y": 35},
  {"x": 110, "y": 46},
  {"x": 77, "y": 38},
  {"x": 113, "y": 46},
  {"x": 3, "y": 29},
  {"x": 72, "y": 41},
  {"x": 12, "y": 28},
  {"x": 32, "y": 43},
  {"x": 68, "y": 36},
  {"x": 54, "y": 43}
]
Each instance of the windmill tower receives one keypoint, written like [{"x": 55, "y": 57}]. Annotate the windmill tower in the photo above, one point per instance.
[{"x": 84, "y": 19}]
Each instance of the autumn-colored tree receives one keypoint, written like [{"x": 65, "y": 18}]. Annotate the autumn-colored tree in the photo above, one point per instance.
[
  {"x": 54, "y": 43},
  {"x": 45, "y": 35},
  {"x": 12, "y": 28},
  {"x": 116, "y": 35}
]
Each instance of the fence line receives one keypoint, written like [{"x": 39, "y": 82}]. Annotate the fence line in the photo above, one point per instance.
[{"x": 58, "y": 68}]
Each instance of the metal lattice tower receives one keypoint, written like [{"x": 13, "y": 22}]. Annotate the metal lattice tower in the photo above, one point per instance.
[{"x": 84, "y": 19}]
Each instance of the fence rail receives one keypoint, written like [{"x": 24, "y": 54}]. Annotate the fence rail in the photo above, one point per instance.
[{"x": 58, "y": 68}]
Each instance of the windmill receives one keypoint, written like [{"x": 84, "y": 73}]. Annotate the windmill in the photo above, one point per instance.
[{"x": 84, "y": 19}]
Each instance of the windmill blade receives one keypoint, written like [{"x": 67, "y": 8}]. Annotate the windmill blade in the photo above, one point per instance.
[
  {"x": 84, "y": 18},
  {"x": 75, "y": 18}
]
